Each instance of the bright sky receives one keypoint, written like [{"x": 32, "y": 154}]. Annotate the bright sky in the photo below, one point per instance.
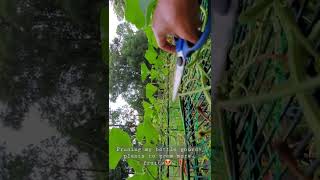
[{"x": 119, "y": 103}]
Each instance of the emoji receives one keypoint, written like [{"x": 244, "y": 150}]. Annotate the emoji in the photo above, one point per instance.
[{"x": 167, "y": 162}]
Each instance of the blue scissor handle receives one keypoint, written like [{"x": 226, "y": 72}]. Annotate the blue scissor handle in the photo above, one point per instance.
[{"x": 183, "y": 46}]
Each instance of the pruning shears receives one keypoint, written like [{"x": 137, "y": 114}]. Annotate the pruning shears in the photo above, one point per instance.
[
  {"x": 184, "y": 49},
  {"x": 224, "y": 18}
]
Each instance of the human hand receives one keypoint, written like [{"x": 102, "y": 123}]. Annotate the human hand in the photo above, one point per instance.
[{"x": 180, "y": 18}]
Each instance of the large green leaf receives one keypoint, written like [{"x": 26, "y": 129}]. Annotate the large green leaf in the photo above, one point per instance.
[
  {"x": 152, "y": 99},
  {"x": 148, "y": 110},
  {"x": 136, "y": 165},
  {"x": 150, "y": 10},
  {"x": 117, "y": 138},
  {"x": 151, "y": 38},
  {"x": 144, "y": 72},
  {"x": 147, "y": 7},
  {"x": 151, "y": 55},
  {"x": 150, "y": 90},
  {"x": 140, "y": 134},
  {"x": 151, "y": 134},
  {"x": 147, "y": 134},
  {"x": 160, "y": 63},
  {"x": 153, "y": 170},
  {"x": 134, "y": 14},
  {"x": 144, "y": 4},
  {"x": 104, "y": 31},
  {"x": 154, "y": 74}
]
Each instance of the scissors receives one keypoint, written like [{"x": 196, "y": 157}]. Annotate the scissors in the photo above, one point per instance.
[
  {"x": 224, "y": 16},
  {"x": 184, "y": 49}
]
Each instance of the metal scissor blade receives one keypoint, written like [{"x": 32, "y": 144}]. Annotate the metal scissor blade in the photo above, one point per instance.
[{"x": 178, "y": 77}]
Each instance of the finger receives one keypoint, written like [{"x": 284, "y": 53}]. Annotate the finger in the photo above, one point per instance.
[
  {"x": 165, "y": 45},
  {"x": 188, "y": 30},
  {"x": 191, "y": 36}
]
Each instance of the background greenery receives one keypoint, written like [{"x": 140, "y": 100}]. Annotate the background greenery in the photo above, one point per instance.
[{"x": 50, "y": 56}]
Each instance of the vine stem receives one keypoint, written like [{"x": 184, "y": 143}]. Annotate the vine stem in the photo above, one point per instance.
[
  {"x": 195, "y": 91},
  {"x": 292, "y": 88}
]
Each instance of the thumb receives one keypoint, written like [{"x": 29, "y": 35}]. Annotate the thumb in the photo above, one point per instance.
[{"x": 164, "y": 44}]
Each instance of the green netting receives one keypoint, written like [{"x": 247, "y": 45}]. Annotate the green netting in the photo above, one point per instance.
[
  {"x": 259, "y": 62},
  {"x": 242, "y": 146},
  {"x": 195, "y": 117}
]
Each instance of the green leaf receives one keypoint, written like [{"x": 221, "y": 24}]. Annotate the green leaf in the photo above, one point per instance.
[
  {"x": 153, "y": 170},
  {"x": 104, "y": 30},
  {"x": 150, "y": 90},
  {"x": 140, "y": 135},
  {"x": 152, "y": 99},
  {"x": 136, "y": 165},
  {"x": 150, "y": 10},
  {"x": 141, "y": 177},
  {"x": 157, "y": 106},
  {"x": 144, "y": 4},
  {"x": 153, "y": 74},
  {"x": 147, "y": 7},
  {"x": 160, "y": 63},
  {"x": 148, "y": 133},
  {"x": 165, "y": 71},
  {"x": 148, "y": 111},
  {"x": 144, "y": 72},
  {"x": 151, "y": 38},
  {"x": 134, "y": 14},
  {"x": 151, "y": 134},
  {"x": 146, "y": 105},
  {"x": 117, "y": 138},
  {"x": 151, "y": 55}
]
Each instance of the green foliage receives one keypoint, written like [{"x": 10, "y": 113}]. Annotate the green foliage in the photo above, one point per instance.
[
  {"x": 52, "y": 63},
  {"x": 136, "y": 165},
  {"x": 147, "y": 7},
  {"x": 117, "y": 138},
  {"x": 150, "y": 90},
  {"x": 144, "y": 4},
  {"x": 147, "y": 134},
  {"x": 153, "y": 170},
  {"x": 148, "y": 111},
  {"x": 118, "y": 7},
  {"x": 138, "y": 12},
  {"x": 151, "y": 55},
  {"x": 141, "y": 177},
  {"x": 126, "y": 69},
  {"x": 134, "y": 14},
  {"x": 144, "y": 72},
  {"x": 154, "y": 74},
  {"x": 150, "y": 35}
]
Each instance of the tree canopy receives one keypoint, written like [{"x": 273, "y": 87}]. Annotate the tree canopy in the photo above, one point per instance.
[
  {"x": 50, "y": 56},
  {"x": 126, "y": 55},
  {"x": 118, "y": 7}
]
